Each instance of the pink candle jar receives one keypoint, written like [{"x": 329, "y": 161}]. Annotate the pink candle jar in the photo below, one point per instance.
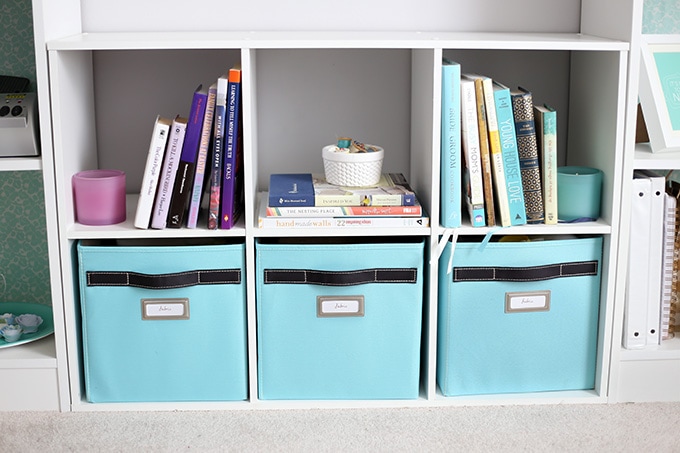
[{"x": 99, "y": 197}]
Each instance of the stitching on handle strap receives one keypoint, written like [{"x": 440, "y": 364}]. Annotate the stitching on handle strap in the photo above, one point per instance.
[
  {"x": 524, "y": 274},
  {"x": 164, "y": 281},
  {"x": 340, "y": 278}
]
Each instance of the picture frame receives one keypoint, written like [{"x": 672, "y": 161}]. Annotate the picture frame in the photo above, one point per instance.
[{"x": 659, "y": 90}]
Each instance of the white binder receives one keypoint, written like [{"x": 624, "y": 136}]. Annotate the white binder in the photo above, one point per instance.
[
  {"x": 657, "y": 219},
  {"x": 637, "y": 283}
]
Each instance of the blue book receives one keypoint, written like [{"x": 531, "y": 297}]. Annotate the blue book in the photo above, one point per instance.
[
  {"x": 513, "y": 176},
  {"x": 451, "y": 183},
  {"x": 291, "y": 189},
  {"x": 232, "y": 182}
]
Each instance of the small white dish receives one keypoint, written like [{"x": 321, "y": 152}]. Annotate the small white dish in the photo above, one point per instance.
[
  {"x": 29, "y": 322},
  {"x": 11, "y": 333},
  {"x": 7, "y": 317}
]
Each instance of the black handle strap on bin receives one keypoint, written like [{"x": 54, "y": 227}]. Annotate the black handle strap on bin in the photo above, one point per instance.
[
  {"x": 340, "y": 278},
  {"x": 164, "y": 281},
  {"x": 524, "y": 274}
]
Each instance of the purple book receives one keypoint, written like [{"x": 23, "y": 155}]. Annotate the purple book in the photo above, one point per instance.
[{"x": 187, "y": 164}]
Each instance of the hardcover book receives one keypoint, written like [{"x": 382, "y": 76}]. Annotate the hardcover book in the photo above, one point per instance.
[
  {"x": 484, "y": 150},
  {"x": 174, "y": 147},
  {"x": 474, "y": 180},
  {"x": 218, "y": 147},
  {"x": 391, "y": 190},
  {"x": 152, "y": 171},
  {"x": 337, "y": 222},
  {"x": 187, "y": 163},
  {"x": 496, "y": 152},
  {"x": 346, "y": 211},
  {"x": 513, "y": 176},
  {"x": 201, "y": 159},
  {"x": 451, "y": 183},
  {"x": 291, "y": 189},
  {"x": 232, "y": 192},
  {"x": 546, "y": 135},
  {"x": 525, "y": 130}
]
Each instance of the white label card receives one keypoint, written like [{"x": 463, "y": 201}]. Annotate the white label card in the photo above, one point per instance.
[
  {"x": 527, "y": 301},
  {"x": 330, "y": 306},
  {"x": 165, "y": 308}
]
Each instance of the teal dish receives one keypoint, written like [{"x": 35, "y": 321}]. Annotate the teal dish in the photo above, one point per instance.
[{"x": 20, "y": 308}]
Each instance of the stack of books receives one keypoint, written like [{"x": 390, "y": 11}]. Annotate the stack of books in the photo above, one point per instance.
[
  {"x": 193, "y": 155},
  {"x": 498, "y": 153},
  {"x": 305, "y": 200}
]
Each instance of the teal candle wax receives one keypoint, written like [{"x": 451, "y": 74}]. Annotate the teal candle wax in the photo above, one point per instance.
[{"x": 579, "y": 192}]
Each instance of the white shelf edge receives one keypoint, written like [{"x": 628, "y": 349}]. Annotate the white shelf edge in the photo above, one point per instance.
[
  {"x": 667, "y": 350},
  {"x": 353, "y": 232},
  {"x": 596, "y": 227},
  {"x": 127, "y": 230},
  {"x": 37, "y": 354},
  {"x": 334, "y": 39},
  {"x": 20, "y": 163},
  {"x": 645, "y": 159},
  {"x": 539, "y": 398}
]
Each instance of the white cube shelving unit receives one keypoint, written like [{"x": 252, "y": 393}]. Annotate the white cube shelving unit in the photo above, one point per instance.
[{"x": 311, "y": 74}]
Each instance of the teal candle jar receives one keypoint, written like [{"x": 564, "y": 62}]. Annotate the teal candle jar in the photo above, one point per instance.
[{"x": 579, "y": 193}]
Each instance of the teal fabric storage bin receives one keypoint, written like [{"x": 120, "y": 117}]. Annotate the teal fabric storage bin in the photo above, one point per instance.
[
  {"x": 163, "y": 323},
  {"x": 518, "y": 316},
  {"x": 339, "y": 320}
]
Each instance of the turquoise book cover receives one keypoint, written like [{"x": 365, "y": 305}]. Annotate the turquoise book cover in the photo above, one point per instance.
[{"x": 451, "y": 183}]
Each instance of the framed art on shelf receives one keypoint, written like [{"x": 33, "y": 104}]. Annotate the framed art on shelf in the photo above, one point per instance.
[{"x": 660, "y": 90}]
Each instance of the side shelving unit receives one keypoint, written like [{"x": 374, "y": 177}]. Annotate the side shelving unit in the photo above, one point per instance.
[
  {"x": 649, "y": 374},
  {"x": 30, "y": 370},
  {"x": 302, "y": 89}
]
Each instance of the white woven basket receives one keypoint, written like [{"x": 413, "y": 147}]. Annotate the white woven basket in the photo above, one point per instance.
[{"x": 352, "y": 169}]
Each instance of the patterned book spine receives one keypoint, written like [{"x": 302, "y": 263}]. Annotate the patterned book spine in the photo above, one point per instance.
[
  {"x": 674, "y": 315},
  {"x": 668, "y": 259},
  {"x": 523, "y": 111}
]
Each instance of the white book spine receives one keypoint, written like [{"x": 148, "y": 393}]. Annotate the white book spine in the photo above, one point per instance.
[
  {"x": 174, "y": 148},
  {"x": 152, "y": 171}
]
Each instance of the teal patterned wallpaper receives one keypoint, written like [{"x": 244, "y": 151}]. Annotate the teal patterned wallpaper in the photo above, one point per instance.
[
  {"x": 16, "y": 45},
  {"x": 24, "y": 271},
  {"x": 661, "y": 17}
]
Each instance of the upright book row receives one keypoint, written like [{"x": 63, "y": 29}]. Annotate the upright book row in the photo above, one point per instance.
[
  {"x": 499, "y": 153},
  {"x": 189, "y": 156}
]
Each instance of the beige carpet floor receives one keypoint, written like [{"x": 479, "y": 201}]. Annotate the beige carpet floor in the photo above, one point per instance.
[{"x": 649, "y": 427}]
